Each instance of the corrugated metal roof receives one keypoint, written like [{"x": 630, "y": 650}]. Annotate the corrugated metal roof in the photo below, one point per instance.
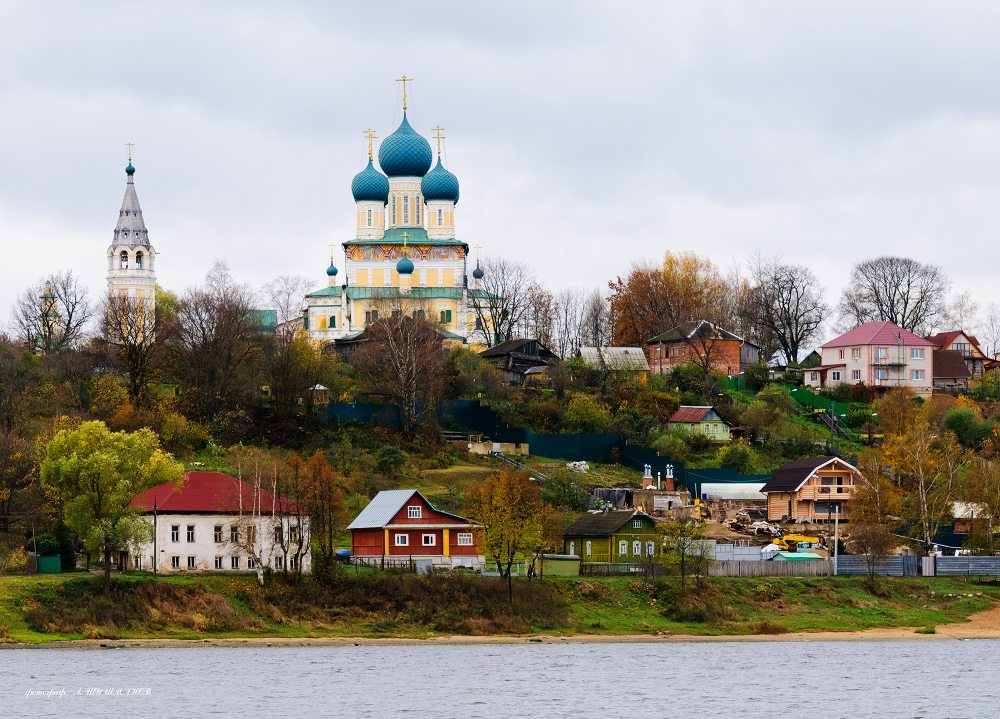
[
  {"x": 748, "y": 491},
  {"x": 690, "y": 414},
  {"x": 383, "y": 508},
  {"x": 601, "y": 524},
  {"x": 209, "y": 492},
  {"x": 615, "y": 358}
]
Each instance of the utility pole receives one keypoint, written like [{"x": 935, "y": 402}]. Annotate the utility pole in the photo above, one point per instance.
[{"x": 836, "y": 538}]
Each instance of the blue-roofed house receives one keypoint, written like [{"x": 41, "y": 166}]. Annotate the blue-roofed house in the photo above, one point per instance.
[{"x": 402, "y": 523}]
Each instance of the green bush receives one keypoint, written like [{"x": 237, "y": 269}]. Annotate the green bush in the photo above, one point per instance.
[
  {"x": 585, "y": 416},
  {"x": 674, "y": 444},
  {"x": 390, "y": 460},
  {"x": 964, "y": 422}
]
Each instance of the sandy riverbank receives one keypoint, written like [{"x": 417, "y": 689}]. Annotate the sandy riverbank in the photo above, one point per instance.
[{"x": 984, "y": 625}]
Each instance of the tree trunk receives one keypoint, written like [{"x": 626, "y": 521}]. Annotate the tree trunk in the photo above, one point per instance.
[{"x": 107, "y": 565}]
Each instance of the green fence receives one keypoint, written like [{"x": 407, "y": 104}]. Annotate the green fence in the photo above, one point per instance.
[
  {"x": 50, "y": 565},
  {"x": 815, "y": 403}
]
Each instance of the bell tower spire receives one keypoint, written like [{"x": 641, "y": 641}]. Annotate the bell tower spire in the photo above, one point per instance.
[{"x": 131, "y": 258}]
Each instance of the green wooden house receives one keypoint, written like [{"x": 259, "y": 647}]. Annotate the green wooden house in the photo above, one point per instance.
[
  {"x": 615, "y": 536},
  {"x": 701, "y": 420}
]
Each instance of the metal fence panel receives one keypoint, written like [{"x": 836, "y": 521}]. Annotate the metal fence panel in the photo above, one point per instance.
[
  {"x": 855, "y": 564},
  {"x": 736, "y": 568},
  {"x": 968, "y": 566}
]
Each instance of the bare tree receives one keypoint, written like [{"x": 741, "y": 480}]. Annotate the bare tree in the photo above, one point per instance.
[
  {"x": 403, "y": 360},
  {"x": 15, "y": 380},
  {"x": 991, "y": 330},
  {"x": 788, "y": 301},
  {"x": 128, "y": 337},
  {"x": 539, "y": 319},
  {"x": 897, "y": 290},
  {"x": 218, "y": 335},
  {"x": 569, "y": 312},
  {"x": 286, "y": 294},
  {"x": 595, "y": 322},
  {"x": 876, "y": 542},
  {"x": 961, "y": 312},
  {"x": 53, "y": 314},
  {"x": 504, "y": 300}
]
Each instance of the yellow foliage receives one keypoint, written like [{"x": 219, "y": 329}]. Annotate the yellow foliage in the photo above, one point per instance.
[
  {"x": 109, "y": 397},
  {"x": 965, "y": 401}
]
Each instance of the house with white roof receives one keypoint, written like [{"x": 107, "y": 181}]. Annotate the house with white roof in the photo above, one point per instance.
[{"x": 879, "y": 354}]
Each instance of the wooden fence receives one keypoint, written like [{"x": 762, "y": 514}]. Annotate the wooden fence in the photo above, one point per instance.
[{"x": 737, "y": 568}]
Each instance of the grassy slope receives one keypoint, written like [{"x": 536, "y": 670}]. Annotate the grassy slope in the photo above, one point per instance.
[{"x": 597, "y": 606}]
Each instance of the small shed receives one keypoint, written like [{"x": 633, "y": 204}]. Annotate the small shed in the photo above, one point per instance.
[
  {"x": 795, "y": 557},
  {"x": 560, "y": 565}
]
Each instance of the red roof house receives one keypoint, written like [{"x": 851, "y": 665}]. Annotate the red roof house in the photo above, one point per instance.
[
  {"x": 959, "y": 341},
  {"x": 402, "y": 523},
  {"x": 878, "y": 354},
  {"x": 210, "y": 493}
]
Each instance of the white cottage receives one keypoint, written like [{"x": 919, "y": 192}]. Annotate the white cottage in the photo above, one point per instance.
[{"x": 217, "y": 523}]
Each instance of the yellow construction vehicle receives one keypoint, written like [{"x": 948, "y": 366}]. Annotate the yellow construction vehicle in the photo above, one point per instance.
[{"x": 789, "y": 542}]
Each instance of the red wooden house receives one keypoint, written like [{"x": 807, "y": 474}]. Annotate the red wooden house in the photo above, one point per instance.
[{"x": 401, "y": 523}]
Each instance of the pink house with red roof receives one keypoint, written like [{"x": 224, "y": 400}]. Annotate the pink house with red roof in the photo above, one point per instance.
[
  {"x": 879, "y": 354},
  {"x": 217, "y": 523}
]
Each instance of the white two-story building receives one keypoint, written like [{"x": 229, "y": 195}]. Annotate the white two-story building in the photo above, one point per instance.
[
  {"x": 879, "y": 354},
  {"x": 217, "y": 523}
]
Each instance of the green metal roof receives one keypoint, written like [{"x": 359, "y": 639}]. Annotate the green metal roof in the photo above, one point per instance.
[
  {"x": 414, "y": 236},
  {"x": 417, "y": 293},
  {"x": 326, "y": 292},
  {"x": 798, "y": 556}
]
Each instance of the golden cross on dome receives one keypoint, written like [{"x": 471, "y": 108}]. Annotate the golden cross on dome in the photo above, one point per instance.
[
  {"x": 404, "y": 79},
  {"x": 405, "y": 235},
  {"x": 331, "y": 250},
  {"x": 129, "y": 145},
  {"x": 370, "y": 134},
  {"x": 439, "y": 136},
  {"x": 477, "y": 253}
]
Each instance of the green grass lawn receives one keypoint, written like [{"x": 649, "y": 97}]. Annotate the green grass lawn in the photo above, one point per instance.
[{"x": 608, "y": 606}]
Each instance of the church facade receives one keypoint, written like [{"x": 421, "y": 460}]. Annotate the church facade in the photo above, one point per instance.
[{"x": 405, "y": 256}]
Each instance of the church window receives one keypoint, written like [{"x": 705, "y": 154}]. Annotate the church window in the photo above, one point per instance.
[
  {"x": 416, "y": 200},
  {"x": 125, "y": 233},
  {"x": 406, "y": 210},
  {"x": 446, "y": 317},
  {"x": 369, "y": 218},
  {"x": 396, "y": 314},
  {"x": 124, "y": 260},
  {"x": 371, "y": 316},
  {"x": 440, "y": 217},
  {"x": 138, "y": 260},
  {"x": 479, "y": 323},
  {"x": 393, "y": 212}
]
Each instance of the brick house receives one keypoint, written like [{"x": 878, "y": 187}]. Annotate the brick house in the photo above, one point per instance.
[
  {"x": 967, "y": 345},
  {"x": 814, "y": 487},
  {"x": 727, "y": 353},
  {"x": 879, "y": 354},
  {"x": 401, "y": 523}
]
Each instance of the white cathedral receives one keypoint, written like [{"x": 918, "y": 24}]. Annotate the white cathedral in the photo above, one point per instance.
[{"x": 404, "y": 258}]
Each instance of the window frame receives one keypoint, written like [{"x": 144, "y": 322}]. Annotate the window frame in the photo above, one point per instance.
[
  {"x": 218, "y": 561},
  {"x": 414, "y": 511},
  {"x": 835, "y": 375},
  {"x": 650, "y": 548},
  {"x": 190, "y": 533},
  {"x": 234, "y": 562},
  {"x": 464, "y": 539},
  {"x": 192, "y": 562},
  {"x": 401, "y": 539},
  {"x": 217, "y": 533},
  {"x": 916, "y": 353},
  {"x": 856, "y": 374},
  {"x": 623, "y": 547},
  {"x": 175, "y": 533},
  {"x": 175, "y": 561},
  {"x": 432, "y": 537},
  {"x": 636, "y": 524}
]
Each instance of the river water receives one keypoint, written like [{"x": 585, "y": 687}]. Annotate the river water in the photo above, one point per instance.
[{"x": 741, "y": 680}]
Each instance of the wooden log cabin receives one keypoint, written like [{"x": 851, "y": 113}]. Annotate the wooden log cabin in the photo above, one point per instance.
[
  {"x": 814, "y": 487},
  {"x": 613, "y": 536}
]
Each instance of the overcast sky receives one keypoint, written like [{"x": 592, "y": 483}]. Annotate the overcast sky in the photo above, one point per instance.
[{"x": 586, "y": 136}]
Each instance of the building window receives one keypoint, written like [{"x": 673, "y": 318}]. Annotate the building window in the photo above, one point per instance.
[
  {"x": 218, "y": 562},
  {"x": 706, "y": 427},
  {"x": 234, "y": 534},
  {"x": 917, "y": 374},
  {"x": 393, "y": 203},
  {"x": 124, "y": 257},
  {"x": 589, "y": 547},
  {"x": 835, "y": 376},
  {"x": 880, "y": 355},
  {"x": 916, "y": 353},
  {"x": 279, "y": 562},
  {"x": 251, "y": 536},
  {"x": 650, "y": 548},
  {"x": 637, "y": 524},
  {"x": 813, "y": 376},
  {"x": 429, "y": 540},
  {"x": 279, "y": 535},
  {"x": 440, "y": 217},
  {"x": 622, "y": 547},
  {"x": 465, "y": 539},
  {"x": 292, "y": 563},
  {"x": 402, "y": 540},
  {"x": 572, "y": 547},
  {"x": 369, "y": 218},
  {"x": 175, "y": 562},
  {"x": 190, "y": 533},
  {"x": 251, "y": 563},
  {"x": 636, "y": 548},
  {"x": 446, "y": 317},
  {"x": 413, "y": 512},
  {"x": 190, "y": 562},
  {"x": 416, "y": 201},
  {"x": 138, "y": 260},
  {"x": 715, "y": 428},
  {"x": 175, "y": 532},
  {"x": 406, "y": 210},
  {"x": 841, "y": 354},
  {"x": 856, "y": 374},
  {"x": 371, "y": 316},
  {"x": 234, "y": 562},
  {"x": 479, "y": 323},
  {"x": 962, "y": 347},
  {"x": 138, "y": 562},
  {"x": 293, "y": 533},
  {"x": 218, "y": 534},
  {"x": 882, "y": 374},
  {"x": 856, "y": 353}
]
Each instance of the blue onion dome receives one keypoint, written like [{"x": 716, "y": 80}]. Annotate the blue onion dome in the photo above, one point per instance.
[
  {"x": 478, "y": 272},
  {"x": 439, "y": 184},
  {"x": 405, "y": 153},
  {"x": 404, "y": 266},
  {"x": 370, "y": 184},
  {"x": 130, "y": 170},
  {"x": 331, "y": 271}
]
